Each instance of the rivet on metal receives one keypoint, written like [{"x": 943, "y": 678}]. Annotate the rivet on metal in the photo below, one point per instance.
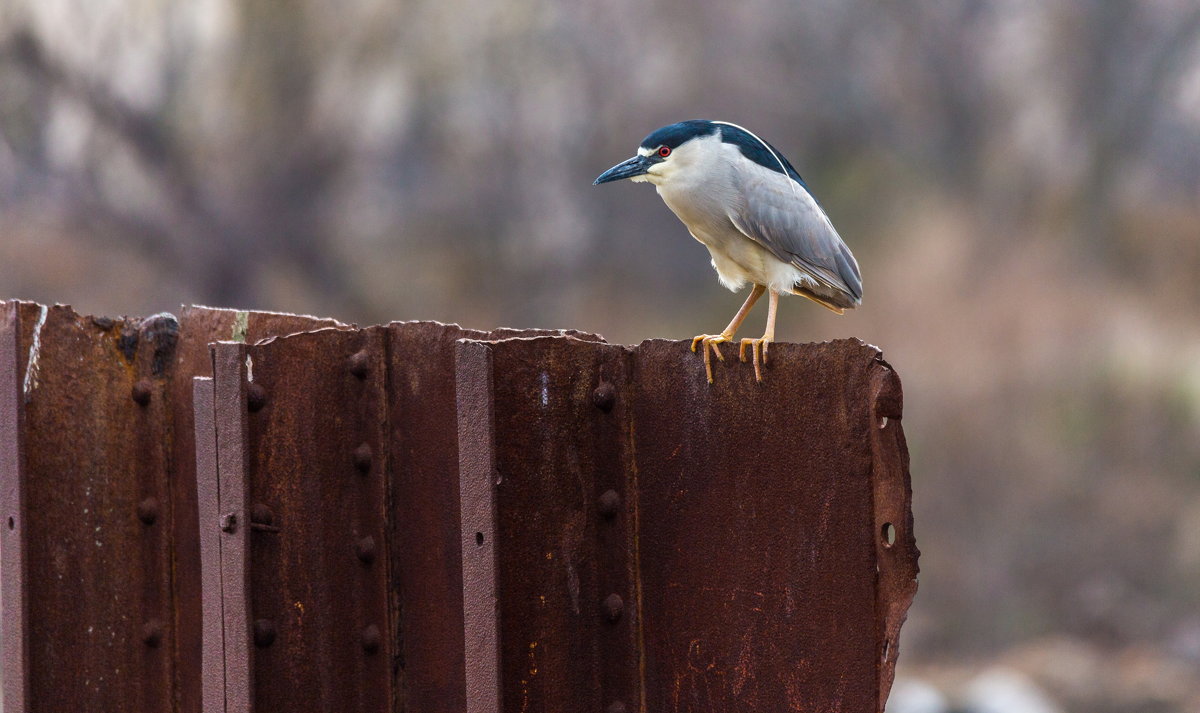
[
  {"x": 152, "y": 633},
  {"x": 147, "y": 510},
  {"x": 141, "y": 392},
  {"x": 613, "y": 607},
  {"x": 256, "y": 396},
  {"x": 604, "y": 396},
  {"x": 365, "y": 549},
  {"x": 229, "y": 522},
  {"x": 362, "y": 458},
  {"x": 264, "y": 633},
  {"x": 609, "y": 503},
  {"x": 359, "y": 363},
  {"x": 370, "y": 639}
]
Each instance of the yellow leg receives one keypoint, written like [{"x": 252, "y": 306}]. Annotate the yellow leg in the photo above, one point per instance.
[
  {"x": 759, "y": 346},
  {"x": 712, "y": 340}
]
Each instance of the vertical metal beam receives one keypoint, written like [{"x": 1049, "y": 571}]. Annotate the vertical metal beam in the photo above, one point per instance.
[
  {"x": 230, "y": 392},
  {"x": 477, "y": 475},
  {"x": 212, "y": 668},
  {"x": 13, "y": 594}
]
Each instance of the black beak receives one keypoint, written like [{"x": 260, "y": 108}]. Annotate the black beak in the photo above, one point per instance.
[{"x": 635, "y": 166}]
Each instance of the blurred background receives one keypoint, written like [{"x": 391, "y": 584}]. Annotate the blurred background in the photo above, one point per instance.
[{"x": 1020, "y": 181}]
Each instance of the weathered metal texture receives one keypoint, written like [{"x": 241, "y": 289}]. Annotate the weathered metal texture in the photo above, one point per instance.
[
  {"x": 314, "y": 514},
  {"x": 199, "y": 326},
  {"x": 740, "y": 561},
  {"x": 14, "y": 598},
  {"x": 895, "y": 545},
  {"x": 764, "y": 581},
  {"x": 212, "y": 655},
  {"x": 94, "y": 588},
  {"x": 563, "y": 576},
  {"x": 230, "y": 395},
  {"x": 424, "y": 526}
]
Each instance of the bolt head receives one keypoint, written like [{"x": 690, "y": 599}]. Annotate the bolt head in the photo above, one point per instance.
[
  {"x": 142, "y": 391},
  {"x": 613, "y": 606},
  {"x": 256, "y": 397},
  {"x": 147, "y": 510},
  {"x": 362, "y": 458},
  {"x": 152, "y": 633},
  {"x": 370, "y": 639},
  {"x": 604, "y": 396},
  {"x": 104, "y": 323},
  {"x": 229, "y": 522},
  {"x": 609, "y": 504},
  {"x": 264, "y": 633},
  {"x": 365, "y": 549},
  {"x": 359, "y": 364}
]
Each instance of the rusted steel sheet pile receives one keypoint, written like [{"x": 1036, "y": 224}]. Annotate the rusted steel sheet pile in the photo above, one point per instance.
[{"x": 240, "y": 511}]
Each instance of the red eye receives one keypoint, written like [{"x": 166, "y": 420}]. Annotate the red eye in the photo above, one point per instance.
[{"x": 664, "y": 151}]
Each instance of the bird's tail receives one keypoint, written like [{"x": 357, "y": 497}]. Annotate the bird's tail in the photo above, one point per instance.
[{"x": 822, "y": 300}]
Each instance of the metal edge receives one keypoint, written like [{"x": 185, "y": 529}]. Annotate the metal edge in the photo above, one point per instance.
[
  {"x": 14, "y": 601},
  {"x": 229, "y": 411},
  {"x": 476, "y": 474},
  {"x": 212, "y": 657},
  {"x": 891, "y": 484}
]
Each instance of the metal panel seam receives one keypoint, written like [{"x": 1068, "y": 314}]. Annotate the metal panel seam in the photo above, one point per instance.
[
  {"x": 13, "y": 597},
  {"x": 477, "y": 464}
]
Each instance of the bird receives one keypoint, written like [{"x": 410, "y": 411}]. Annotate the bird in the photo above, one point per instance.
[{"x": 741, "y": 198}]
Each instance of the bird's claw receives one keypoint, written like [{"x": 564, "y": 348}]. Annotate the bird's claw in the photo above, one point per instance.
[
  {"x": 758, "y": 352},
  {"x": 710, "y": 340}
]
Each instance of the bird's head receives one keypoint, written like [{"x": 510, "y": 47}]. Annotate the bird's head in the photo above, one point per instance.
[{"x": 665, "y": 153}]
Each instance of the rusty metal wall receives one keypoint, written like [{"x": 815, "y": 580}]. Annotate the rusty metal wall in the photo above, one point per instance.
[
  {"x": 420, "y": 517},
  {"x": 762, "y": 565},
  {"x": 91, "y": 518},
  {"x": 652, "y": 543},
  {"x": 200, "y": 326},
  {"x": 100, "y": 565},
  {"x": 425, "y": 527}
]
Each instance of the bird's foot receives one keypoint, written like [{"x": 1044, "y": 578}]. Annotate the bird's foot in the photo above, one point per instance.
[
  {"x": 758, "y": 351},
  {"x": 710, "y": 340}
]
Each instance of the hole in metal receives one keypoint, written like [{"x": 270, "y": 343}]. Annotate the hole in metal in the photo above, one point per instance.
[
  {"x": 479, "y": 539},
  {"x": 889, "y": 534},
  {"x": 11, "y": 523},
  {"x": 883, "y": 421}
]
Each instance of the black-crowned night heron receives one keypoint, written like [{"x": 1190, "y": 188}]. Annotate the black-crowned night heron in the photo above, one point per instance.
[{"x": 740, "y": 197}]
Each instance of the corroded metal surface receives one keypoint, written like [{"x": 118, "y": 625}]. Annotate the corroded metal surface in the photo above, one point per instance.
[
  {"x": 314, "y": 515},
  {"x": 760, "y": 557},
  {"x": 212, "y": 655},
  {"x": 102, "y": 585},
  {"x": 421, "y": 517},
  {"x": 563, "y": 578},
  {"x": 748, "y": 568},
  {"x": 14, "y": 612},
  {"x": 423, "y": 473},
  {"x": 96, "y": 532},
  {"x": 198, "y": 327}
]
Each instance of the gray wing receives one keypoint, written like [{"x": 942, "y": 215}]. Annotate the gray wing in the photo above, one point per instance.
[{"x": 781, "y": 215}]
